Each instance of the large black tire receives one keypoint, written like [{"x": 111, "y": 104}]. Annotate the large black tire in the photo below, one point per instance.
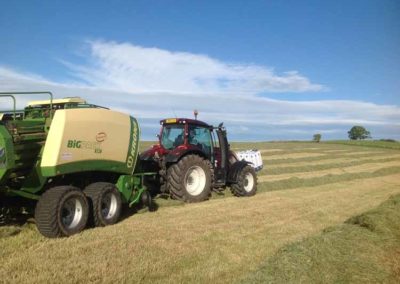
[
  {"x": 246, "y": 184},
  {"x": 190, "y": 179},
  {"x": 61, "y": 211},
  {"x": 105, "y": 203}
]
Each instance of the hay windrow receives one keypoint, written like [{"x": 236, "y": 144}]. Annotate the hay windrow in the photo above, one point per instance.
[
  {"x": 369, "y": 167},
  {"x": 219, "y": 241},
  {"x": 363, "y": 249}
]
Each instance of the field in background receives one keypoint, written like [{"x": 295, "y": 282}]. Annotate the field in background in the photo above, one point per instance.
[
  {"x": 369, "y": 143},
  {"x": 304, "y": 188}
]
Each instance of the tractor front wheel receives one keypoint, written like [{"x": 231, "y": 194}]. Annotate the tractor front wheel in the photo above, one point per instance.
[
  {"x": 189, "y": 180},
  {"x": 61, "y": 211},
  {"x": 246, "y": 183},
  {"x": 105, "y": 202}
]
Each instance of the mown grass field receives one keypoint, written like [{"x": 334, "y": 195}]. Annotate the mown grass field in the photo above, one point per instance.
[{"x": 304, "y": 189}]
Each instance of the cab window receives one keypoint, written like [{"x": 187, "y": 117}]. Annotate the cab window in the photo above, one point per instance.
[
  {"x": 200, "y": 137},
  {"x": 172, "y": 136}
]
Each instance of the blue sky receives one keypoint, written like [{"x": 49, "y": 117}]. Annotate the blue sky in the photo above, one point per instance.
[{"x": 269, "y": 69}]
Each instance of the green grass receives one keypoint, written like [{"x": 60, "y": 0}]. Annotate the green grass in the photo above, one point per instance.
[
  {"x": 295, "y": 182},
  {"x": 312, "y": 168},
  {"x": 302, "y": 145},
  {"x": 213, "y": 242},
  {"x": 366, "y": 248},
  {"x": 367, "y": 143},
  {"x": 144, "y": 145},
  {"x": 283, "y": 145},
  {"x": 222, "y": 240},
  {"x": 354, "y": 155}
]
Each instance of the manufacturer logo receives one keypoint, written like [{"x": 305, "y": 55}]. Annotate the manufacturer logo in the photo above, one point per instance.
[
  {"x": 74, "y": 144},
  {"x": 101, "y": 136},
  {"x": 86, "y": 145},
  {"x": 132, "y": 151}
]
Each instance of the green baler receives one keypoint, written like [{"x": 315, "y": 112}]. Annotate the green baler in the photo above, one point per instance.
[{"x": 75, "y": 161}]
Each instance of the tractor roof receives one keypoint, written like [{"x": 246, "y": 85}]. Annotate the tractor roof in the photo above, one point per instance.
[
  {"x": 183, "y": 120},
  {"x": 58, "y": 101}
]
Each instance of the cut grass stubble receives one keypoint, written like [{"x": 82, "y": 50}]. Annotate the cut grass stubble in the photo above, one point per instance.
[
  {"x": 219, "y": 241},
  {"x": 364, "y": 249},
  {"x": 353, "y": 169}
]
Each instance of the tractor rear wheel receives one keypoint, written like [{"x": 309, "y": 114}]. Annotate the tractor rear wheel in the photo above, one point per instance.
[
  {"x": 61, "y": 211},
  {"x": 189, "y": 180},
  {"x": 105, "y": 202},
  {"x": 246, "y": 184}
]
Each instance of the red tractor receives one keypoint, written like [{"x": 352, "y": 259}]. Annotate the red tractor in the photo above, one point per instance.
[{"x": 191, "y": 162}]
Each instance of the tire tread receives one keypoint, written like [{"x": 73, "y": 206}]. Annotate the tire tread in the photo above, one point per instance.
[
  {"x": 94, "y": 194},
  {"x": 46, "y": 211},
  {"x": 175, "y": 176},
  {"x": 237, "y": 189}
]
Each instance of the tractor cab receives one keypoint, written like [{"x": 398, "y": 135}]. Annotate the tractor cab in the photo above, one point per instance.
[{"x": 187, "y": 135}]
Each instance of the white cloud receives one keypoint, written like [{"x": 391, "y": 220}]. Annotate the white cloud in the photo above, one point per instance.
[
  {"x": 152, "y": 84},
  {"x": 123, "y": 66}
]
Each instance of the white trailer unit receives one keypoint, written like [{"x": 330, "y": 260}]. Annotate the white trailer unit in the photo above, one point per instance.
[{"x": 253, "y": 157}]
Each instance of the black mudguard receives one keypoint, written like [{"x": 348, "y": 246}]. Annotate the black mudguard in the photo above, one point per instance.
[{"x": 235, "y": 169}]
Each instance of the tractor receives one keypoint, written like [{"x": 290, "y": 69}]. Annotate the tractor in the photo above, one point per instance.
[{"x": 194, "y": 158}]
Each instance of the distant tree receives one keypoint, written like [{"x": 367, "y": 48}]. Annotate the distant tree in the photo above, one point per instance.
[
  {"x": 388, "y": 140},
  {"x": 358, "y": 133},
  {"x": 317, "y": 137}
]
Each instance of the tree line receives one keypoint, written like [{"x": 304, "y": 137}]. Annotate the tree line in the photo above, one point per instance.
[{"x": 357, "y": 132}]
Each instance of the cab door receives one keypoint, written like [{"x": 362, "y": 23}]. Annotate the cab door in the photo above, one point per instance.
[{"x": 200, "y": 137}]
